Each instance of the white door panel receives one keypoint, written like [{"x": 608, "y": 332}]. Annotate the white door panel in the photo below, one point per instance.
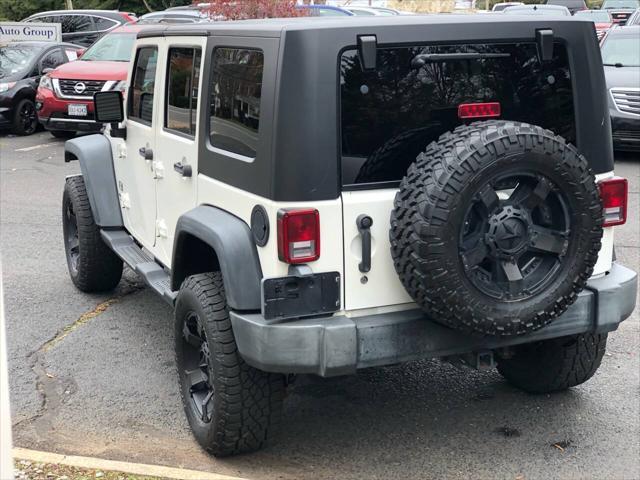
[
  {"x": 380, "y": 286},
  {"x": 176, "y": 194},
  {"x": 136, "y": 182}
]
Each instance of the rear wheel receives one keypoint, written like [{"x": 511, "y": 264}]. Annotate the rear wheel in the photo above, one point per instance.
[
  {"x": 554, "y": 365},
  {"x": 93, "y": 266},
  {"x": 231, "y": 407},
  {"x": 25, "y": 120}
]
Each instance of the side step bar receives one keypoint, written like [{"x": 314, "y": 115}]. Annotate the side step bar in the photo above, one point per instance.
[{"x": 140, "y": 262}]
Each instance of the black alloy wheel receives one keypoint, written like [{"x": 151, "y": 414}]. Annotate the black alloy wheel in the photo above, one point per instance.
[
  {"x": 71, "y": 239},
  {"x": 197, "y": 364},
  {"x": 515, "y": 236}
]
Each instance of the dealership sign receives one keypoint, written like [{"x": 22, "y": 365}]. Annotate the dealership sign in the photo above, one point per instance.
[{"x": 41, "y": 32}]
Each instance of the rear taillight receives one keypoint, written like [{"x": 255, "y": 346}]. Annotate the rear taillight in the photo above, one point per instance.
[
  {"x": 479, "y": 110},
  {"x": 613, "y": 192},
  {"x": 299, "y": 235}
]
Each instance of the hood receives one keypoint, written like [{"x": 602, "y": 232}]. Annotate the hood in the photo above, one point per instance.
[
  {"x": 622, "y": 77},
  {"x": 93, "y": 70}
]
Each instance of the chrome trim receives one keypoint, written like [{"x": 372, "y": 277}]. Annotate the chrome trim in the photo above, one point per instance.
[
  {"x": 627, "y": 94},
  {"x": 108, "y": 85},
  {"x": 79, "y": 13},
  {"x": 72, "y": 120}
]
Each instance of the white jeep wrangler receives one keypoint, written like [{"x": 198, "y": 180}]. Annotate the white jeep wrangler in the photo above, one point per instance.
[{"x": 317, "y": 196}]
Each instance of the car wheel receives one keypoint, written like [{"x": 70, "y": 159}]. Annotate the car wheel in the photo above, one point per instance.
[
  {"x": 25, "y": 120},
  {"x": 93, "y": 266},
  {"x": 231, "y": 407}
]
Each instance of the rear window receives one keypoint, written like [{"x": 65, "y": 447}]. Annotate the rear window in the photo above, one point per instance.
[{"x": 390, "y": 115}]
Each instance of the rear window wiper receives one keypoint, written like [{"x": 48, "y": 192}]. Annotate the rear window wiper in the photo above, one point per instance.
[{"x": 423, "y": 58}]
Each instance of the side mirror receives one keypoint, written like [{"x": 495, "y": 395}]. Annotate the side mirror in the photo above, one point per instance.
[{"x": 108, "y": 108}]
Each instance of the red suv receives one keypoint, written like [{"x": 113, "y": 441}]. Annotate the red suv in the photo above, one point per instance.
[{"x": 64, "y": 100}]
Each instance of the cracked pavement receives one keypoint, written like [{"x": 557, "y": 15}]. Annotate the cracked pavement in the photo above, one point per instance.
[{"x": 94, "y": 375}]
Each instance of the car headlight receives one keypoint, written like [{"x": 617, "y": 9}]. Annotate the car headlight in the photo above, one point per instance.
[
  {"x": 45, "y": 82},
  {"x": 121, "y": 85},
  {"x": 6, "y": 86}
]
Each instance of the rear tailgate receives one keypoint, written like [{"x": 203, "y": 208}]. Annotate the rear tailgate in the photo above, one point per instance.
[{"x": 390, "y": 115}]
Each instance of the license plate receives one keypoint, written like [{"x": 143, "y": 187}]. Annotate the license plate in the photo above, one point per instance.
[{"x": 77, "y": 110}]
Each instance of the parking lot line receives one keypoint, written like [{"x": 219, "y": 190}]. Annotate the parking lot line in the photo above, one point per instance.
[
  {"x": 115, "y": 466},
  {"x": 35, "y": 147}
]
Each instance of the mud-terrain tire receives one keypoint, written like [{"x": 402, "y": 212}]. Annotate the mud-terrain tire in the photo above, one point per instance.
[
  {"x": 451, "y": 195},
  {"x": 244, "y": 404},
  {"x": 25, "y": 119},
  {"x": 554, "y": 365},
  {"x": 93, "y": 266}
]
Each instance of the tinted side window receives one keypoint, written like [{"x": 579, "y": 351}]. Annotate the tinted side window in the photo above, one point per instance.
[
  {"x": 102, "y": 24},
  {"x": 235, "y": 100},
  {"x": 183, "y": 75},
  {"x": 390, "y": 115},
  {"x": 142, "y": 85},
  {"x": 76, "y": 23},
  {"x": 52, "y": 59}
]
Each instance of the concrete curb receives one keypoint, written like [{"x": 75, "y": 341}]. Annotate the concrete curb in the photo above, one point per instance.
[{"x": 112, "y": 465}]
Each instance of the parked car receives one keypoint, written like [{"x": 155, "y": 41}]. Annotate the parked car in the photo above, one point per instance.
[
  {"x": 169, "y": 16},
  {"x": 621, "y": 60},
  {"x": 601, "y": 18},
  {"x": 64, "y": 100},
  {"x": 572, "y": 5},
  {"x": 551, "y": 10},
  {"x": 325, "y": 11},
  {"x": 342, "y": 230},
  {"x": 634, "y": 19},
  {"x": 499, "y": 7},
  {"x": 21, "y": 66},
  {"x": 621, "y": 10},
  {"x": 83, "y": 27},
  {"x": 368, "y": 11}
]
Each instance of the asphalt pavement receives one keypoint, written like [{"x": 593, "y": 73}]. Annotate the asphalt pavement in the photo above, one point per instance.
[{"x": 94, "y": 375}]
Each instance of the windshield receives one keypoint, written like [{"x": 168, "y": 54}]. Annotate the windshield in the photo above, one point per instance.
[
  {"x": 621, "y": 51},
  {"x": 113, "y": 47},
  {"x": 594, "y": 16},
  {"x": 621, "y": 4},
  {"x": 17, "y": 59}
]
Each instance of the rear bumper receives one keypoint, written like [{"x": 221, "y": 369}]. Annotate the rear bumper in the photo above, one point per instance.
[{"x": 339, "y": 345}]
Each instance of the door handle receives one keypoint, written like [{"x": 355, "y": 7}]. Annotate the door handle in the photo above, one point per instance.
[
  {"x": 364, "y": 222},
  {"x": 146, "y": 153},
  {"x": 182, "y": 169}
]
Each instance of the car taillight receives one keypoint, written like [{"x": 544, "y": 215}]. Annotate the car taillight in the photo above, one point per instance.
[
  {"x": 613, "y": 192},
  {"x": 479, "y": 110},
  {"x": 298, "y": 235}
]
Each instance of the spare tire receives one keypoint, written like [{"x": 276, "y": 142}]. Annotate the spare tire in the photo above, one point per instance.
[{"x": 496, "y": 228}]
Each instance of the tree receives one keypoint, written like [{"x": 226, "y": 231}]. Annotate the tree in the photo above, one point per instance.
[{"x": 247, "y": 9}]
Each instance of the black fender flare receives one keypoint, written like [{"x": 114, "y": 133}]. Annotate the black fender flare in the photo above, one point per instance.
[
  {"x": 96, "y": 163},
  {"x": 237, "y": 255}
]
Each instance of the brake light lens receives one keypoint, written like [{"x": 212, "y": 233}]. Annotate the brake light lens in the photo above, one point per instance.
[
  {"x": 298, "y": 235},
  {"x": 479, "y": 110},
  {"x": 613, "y": 192}
]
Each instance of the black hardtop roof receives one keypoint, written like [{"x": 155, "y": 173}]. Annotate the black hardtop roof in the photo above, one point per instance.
[{"x": 273, "y": 27}]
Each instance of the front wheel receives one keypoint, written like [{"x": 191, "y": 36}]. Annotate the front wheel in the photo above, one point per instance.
[
  {"x": 231, "y": 407},
  {"x": 556, "y": 364},
  {"x": 93, "y": 267},
  {"x": 25, "y": 120}
]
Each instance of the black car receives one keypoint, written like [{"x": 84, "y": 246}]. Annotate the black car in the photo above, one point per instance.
[
  {"x": 572, "y": 5},
  {"x": 83, "y": 27},
  {"x": 621, "y": 59},
  {"x": 21, "y": 66}
]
